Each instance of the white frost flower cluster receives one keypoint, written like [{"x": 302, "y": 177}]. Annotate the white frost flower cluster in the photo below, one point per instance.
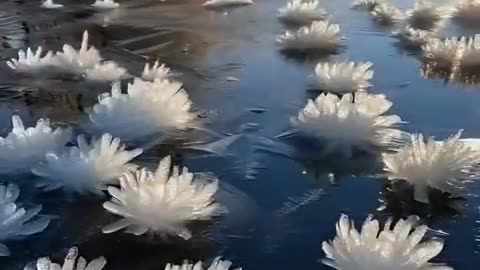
[
  {"x": 444, "y": 54},
  {"x": 148, "y": 108},
  {"x": 85, "y": 62},
  {"x": 105, "y": 4},
  {"x": 156, "y": 72},
  {"x": 397, "y": 248},
  {"x": 70, "y": 263},
  {"x": 301, "y": 12},
  {"x": 226, "y": 3},
  {"x": 387, "y": 14},
  {"x": 162, "y": 202},
  {"x": 24, "y": 148},
  {"x": 15, "y": 222},
  {"x": 32, "y": 62},
  {"x": 445, "y": 165},
  {"x": 343, "y": 77},
  {"x": 355, "y": 121},
  {"x": 320, "y": 35},
  {"x": 88, "y": 167},
  {"x": 415, "y": 38},
  {"x": 217, "y": 264}
]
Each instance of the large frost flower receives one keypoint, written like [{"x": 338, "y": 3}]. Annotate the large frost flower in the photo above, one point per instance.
[
  {"x": 300, "y": 12},
  {"x": 320, "y": 35},
  {"x": 353, "y": 121},
  {"x": 105, "y": 4},
  {"x": 468, "y": 11},
  {"x": 343, "y": 77},
  {"x": 148, "y": 108},
  {"x": 366, "y": 4},
  {"x": 387, "y": 14},
  {"x": 88, "y": 167},
  {"x": 397, "y": 247},
  {"x": 470, "y": 55},
  {"x": 24, "y": 147},
  {"x": 70, "y": 263},
  {"x": 226, "y": 3},
  {"x": 156, "y": 72},
  {"x": 162, "y": 202},
  {"x": 32, "y": 62},
  {"x": 15, "y": 222},
  {"x": 415, "y": 38},
  {"x": 425, "y": 15},
  {"x": 217, "y": 264},
  {"x": 444, "y": 54},
  {"x": 445, "y": 165}
]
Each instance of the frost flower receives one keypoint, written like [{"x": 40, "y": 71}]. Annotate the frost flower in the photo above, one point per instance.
[
  {"x": 300, "y": 12},
  {"x": 445, "y": 165},
  {"x": 470, "y": 56},
  {"x": 397, "y": 248},
  {"x": 24, "y": 148},
  {"x": 105, "y": 4},
  {"x": 157, "y": 71},
  {"x": 217, "y": 264},
  {"x": 343, "y": 77},
  {"x": 148, "y": 108},
  {"x": 70, "y": 263},
  {"x": 320, "y": 35},
  {"x": 387, "y": 14},
  {"x": 415, "y": 38},
  {"x": 226, "y": 3},
  {"x": 17, "y": 223},
  {"x": 51, "y": 5},
  {"x": 106, "y": 71},
  {"x": 31, "y": 62},
  {"x": 162, "y": 202},
  {"x": 88, "y": 167},
  {"x": 366, "y": 4},
  {"x": 444, "y": 54},
  {"x": 425, "y": 15},
  {"x": 345, "y": 124}
]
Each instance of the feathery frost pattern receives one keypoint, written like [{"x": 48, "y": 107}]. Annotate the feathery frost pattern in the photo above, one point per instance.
[
  {"x": 343, "y": 77},
  {"x": 226, "y": 3},
  {"x": 24, "y": 147},
  {"x": 300, "y": 12},
  {"x": 88, "y": 167},
  {"x": 445, "y": 165},
  {"x": 105, "y": 4},
  {"x": 320, "y": 35},
  {"x": 17, "y": 223},
  {"x": 32, "y": 62},
  {"x": 149, "y": 108},
  {"x": 397, "y": 248},
  {"x": 162, "y": 202},
  {"x": 217, "y": 264},
  {"x": 346, "y": 124},
  {"x": 155, "y": 72},
  {"x": 444, "y": 53},
  {"x": 70, "y": 263}
]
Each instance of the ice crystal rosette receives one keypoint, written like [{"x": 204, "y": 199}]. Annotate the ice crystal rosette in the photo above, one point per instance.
[
  {"x": 24, "y": 148},
  {"x": 447, "y": 165},
  {"x": 17, "y": 222},
  {"x": 301, "y": 12},
  {"x": 148, "y": 108},
  {"x": 70, "y": 263},
  {"x": 387, "y": 14},
  {"x": 226, "y": 3},
  {"x": 444, "y": 54},
  {"x": 398, "y": 247},
  {"x": 32, "y": 62},
  {"x": 343, "y": 77},
  {"x": 88, "y": 167},
  {"x": 217, "y": 264},
  {"x": 470, "y": 55},
  {"x": 355, "y": 121},
  {"x": 162, "y": 202},
  {"x": 319, "y": 36},
  {"x": 414, "y": 38},
  {"x": 105, "y": 4},
  {"x": 425, "y": 15},
  {"x": 155, "y": 72}
]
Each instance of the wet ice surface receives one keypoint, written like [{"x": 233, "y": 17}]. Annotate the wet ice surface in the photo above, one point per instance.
[{"x": 284, "y": 200}]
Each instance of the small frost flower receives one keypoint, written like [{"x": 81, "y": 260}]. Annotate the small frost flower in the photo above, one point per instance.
[
  {"x": 414, "y": 38},
  {"x": 425, "y": 15},
  {"x": 51, "y": 5},
  {"x": 106, "y": 71},
  {"x": 88, "y": 167},
  {"x": 444, "y": 54},
  {"x": 343, "y": 77},
  {"x": 353, "y": 121},
  {"x": 387, "y": 14},
  {"x": 320, "y": 36},
  {"x": 397, "y": 247},
  {"x": 366, "y": 4},
  {"x": 217, "y": 264},
  {"x": 148, "y": 108},
  {"x": 24, "y": 148},
  {"x": 155, "y": 72},
  {"x": 15, "y": 222},
  {"x": 76, "y": 62},
  {"x": 105, "y": 4},
  {"x": 162, "y": 202},
  {"x": 70, "y": 263},
  {"x": 32, "y": 62},
  {"x": 445, "y": 165},
  {"x": 300, "y": 12}
]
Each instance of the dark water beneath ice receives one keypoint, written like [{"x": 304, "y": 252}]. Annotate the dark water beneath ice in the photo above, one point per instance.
[{"x": 265, "y": 182}]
